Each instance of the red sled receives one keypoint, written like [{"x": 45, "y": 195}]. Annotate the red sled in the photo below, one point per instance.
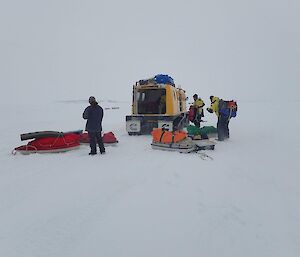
[
  {"x": 108, "y": 138},
  {"x": 51, "y": 144}
]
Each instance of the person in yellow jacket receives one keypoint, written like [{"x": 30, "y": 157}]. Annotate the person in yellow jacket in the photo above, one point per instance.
[
  {"x": 214, "y": 105},
  {"x": 223, "y": 120},
  {"x": 198, "y": 105}
]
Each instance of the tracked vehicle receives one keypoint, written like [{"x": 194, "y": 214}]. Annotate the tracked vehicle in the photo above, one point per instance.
[{"x": 157, "y": 103}]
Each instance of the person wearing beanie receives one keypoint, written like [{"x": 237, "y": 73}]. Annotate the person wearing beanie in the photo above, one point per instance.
[
  {"x": 214, "y": 106},
  {"x": 94, "y": 115},
  {"x": 223, "y": 120},
  {"x": 198, "y": 106}
]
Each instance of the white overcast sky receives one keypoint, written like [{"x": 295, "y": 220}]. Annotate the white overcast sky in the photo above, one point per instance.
[{"x": 70, "y": 49}]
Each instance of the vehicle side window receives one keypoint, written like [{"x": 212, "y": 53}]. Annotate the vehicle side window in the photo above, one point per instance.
[{"x": 141, "y": 96}]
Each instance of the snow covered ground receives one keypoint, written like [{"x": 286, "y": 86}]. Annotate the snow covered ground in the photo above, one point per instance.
[{"x": 135, "y": 201}]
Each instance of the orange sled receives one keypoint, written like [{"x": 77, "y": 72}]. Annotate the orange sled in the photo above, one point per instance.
[{"x": 164, "y": 136}]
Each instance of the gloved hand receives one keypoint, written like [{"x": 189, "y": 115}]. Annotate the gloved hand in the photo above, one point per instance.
[{"x": 209, "y": 110}]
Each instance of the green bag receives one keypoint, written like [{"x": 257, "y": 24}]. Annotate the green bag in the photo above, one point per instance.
[
  {"x": 195, "y": 131},
  {"x": 208, "y": 130}
]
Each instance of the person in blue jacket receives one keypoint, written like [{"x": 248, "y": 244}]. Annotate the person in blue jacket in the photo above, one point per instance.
[{"x": 94, "y": 115}]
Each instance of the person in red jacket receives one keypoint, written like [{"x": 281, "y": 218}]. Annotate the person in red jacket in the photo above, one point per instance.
[{"x": 94, "y": 115}]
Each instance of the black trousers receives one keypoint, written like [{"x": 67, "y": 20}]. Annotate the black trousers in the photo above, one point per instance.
[
  {"x": 197, "y": 119},
  {"x": 197, "y": 123},
  {"x": 95, "y": 137},
  {"x": 223, "y": 127}
]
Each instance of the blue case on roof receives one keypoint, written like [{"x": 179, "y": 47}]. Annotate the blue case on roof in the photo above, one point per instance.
[{"x": 164, "y": 79}]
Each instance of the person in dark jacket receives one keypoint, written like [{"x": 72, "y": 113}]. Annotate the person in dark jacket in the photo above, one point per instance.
[{"x": 94, "y": 115}]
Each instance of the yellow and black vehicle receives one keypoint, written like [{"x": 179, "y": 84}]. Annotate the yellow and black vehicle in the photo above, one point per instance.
[{"x": 157, "y": 103}]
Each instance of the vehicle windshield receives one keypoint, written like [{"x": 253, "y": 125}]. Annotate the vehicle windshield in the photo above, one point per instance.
[{"x": 151, "y": 101}]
